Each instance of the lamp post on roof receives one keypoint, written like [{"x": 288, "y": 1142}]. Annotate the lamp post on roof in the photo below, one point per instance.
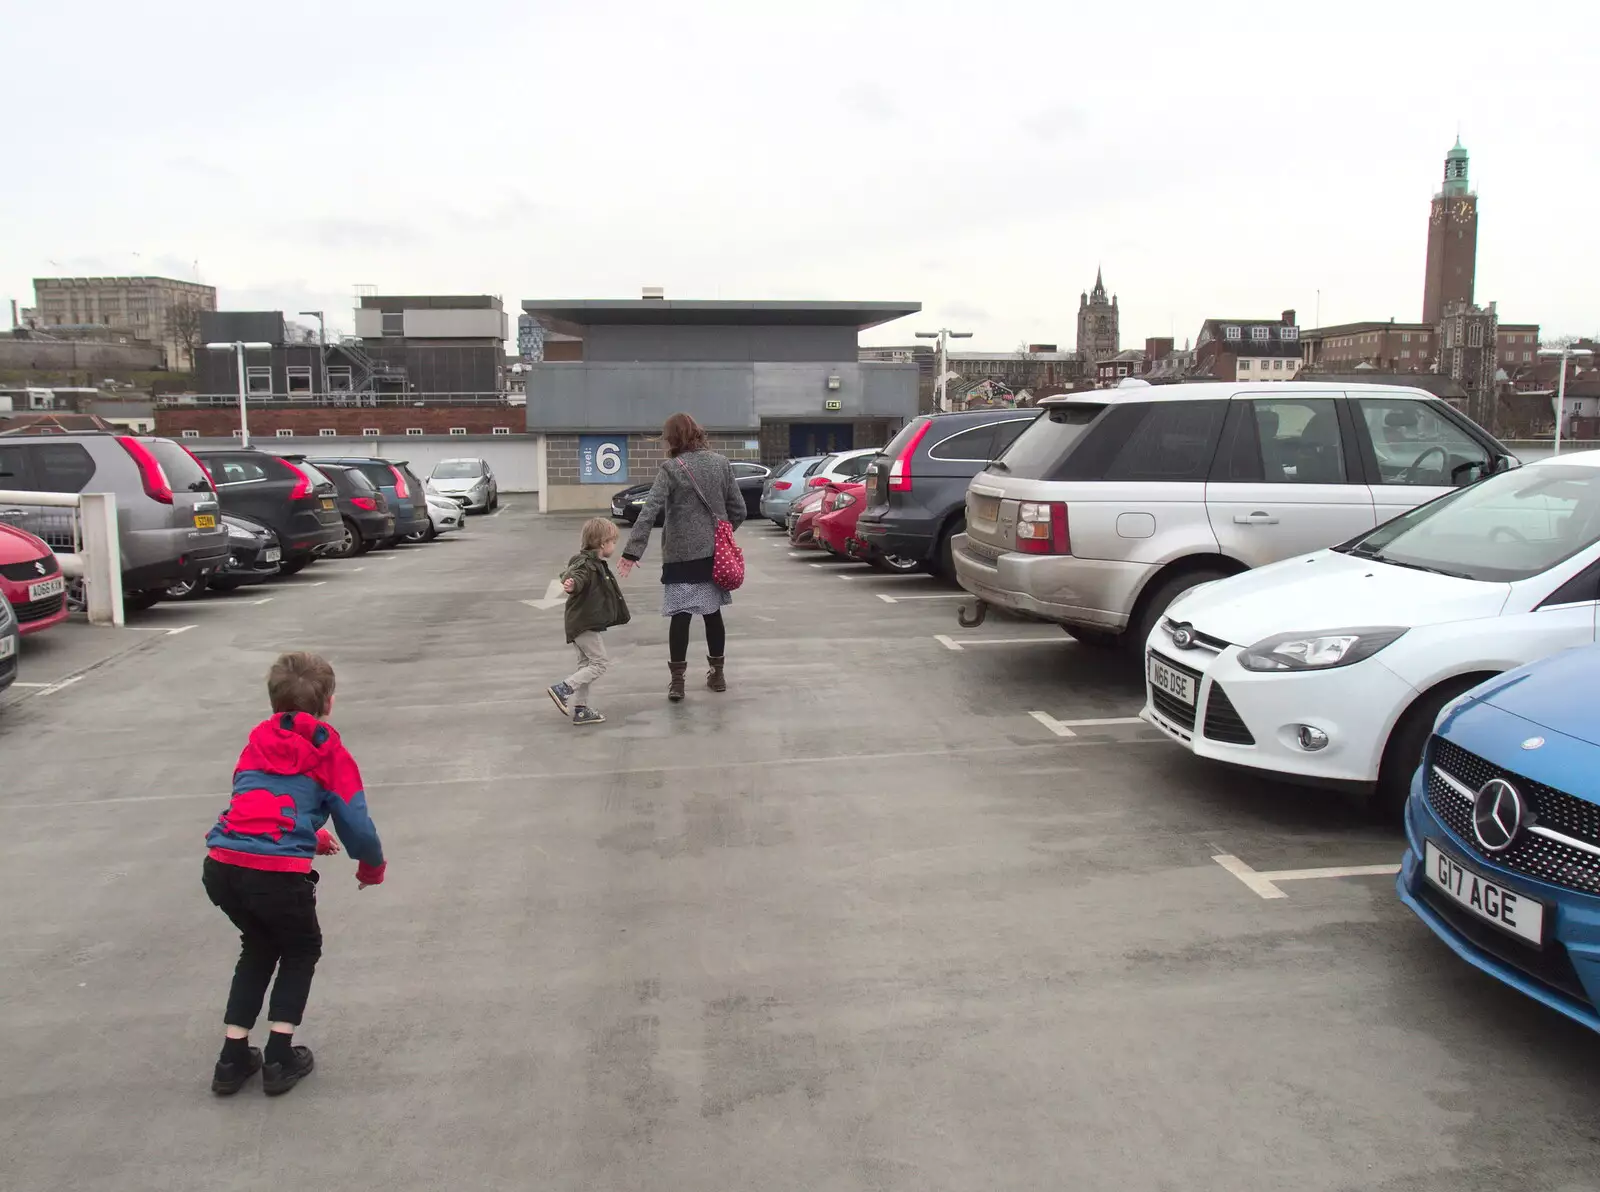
[
  {"x": 943, "y": 335},
  {"x": 1564, "y": 352},
  {"x": 240, "y": 347}
]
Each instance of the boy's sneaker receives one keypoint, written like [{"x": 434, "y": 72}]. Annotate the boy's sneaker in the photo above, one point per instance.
[
  {"x": 277, "y": 1079},
  {"x": 587, "y": 716},
  {"x": 559, "y": 695},
  {"x": 228, "y": 1079}
]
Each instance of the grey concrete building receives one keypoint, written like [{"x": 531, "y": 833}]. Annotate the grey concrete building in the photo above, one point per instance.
[
  {"x": 162, "y": 310},
  {"x": 767, "y": 379}
]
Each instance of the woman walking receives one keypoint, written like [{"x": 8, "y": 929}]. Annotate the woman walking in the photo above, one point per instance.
[{"x": 697, "y": 489}]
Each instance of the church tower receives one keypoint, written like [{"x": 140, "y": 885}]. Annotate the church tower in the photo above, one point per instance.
[
  {"x": 1099, "y": 337},
  {"x": 1452, "y": 240}
]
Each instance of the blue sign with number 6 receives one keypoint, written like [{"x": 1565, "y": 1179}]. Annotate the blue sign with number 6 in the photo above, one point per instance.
[{"x": 602, "y": 459}]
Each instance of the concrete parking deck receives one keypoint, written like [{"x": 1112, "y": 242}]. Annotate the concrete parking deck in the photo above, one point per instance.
[{"x": 862, "y": 922}]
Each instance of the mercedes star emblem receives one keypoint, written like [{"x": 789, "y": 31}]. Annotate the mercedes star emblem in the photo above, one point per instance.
[
  {"x": 1497, "y": 815},
  {"x": 1533, "y": 743},
  {"x": 1183, "y": 637}
]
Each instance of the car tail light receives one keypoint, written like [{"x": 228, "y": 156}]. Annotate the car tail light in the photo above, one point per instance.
[
  {"x": 844, "y": 501},
  {"x": 151, "y": 474},
  {"x": 400, "y": 489},
  {"x": 302, "y": 482},
  {"x": 816, "y": 482},
  {"x": 781, "y": 484},
  {"x": 367, "y": 503},
  {"x": 1042, "y": 528},
  {"x": 900, "y": 469}
]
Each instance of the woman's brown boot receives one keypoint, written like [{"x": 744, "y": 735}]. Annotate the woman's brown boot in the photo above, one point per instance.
[
  {"x": 675, "y": 688},
  {"x": 714, "y": 676}
]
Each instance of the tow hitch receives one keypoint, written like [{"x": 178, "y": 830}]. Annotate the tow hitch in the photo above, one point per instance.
[{"x": 973, "y": 617}]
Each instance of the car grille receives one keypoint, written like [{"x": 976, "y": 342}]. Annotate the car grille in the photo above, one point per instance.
[
  {"x": 1533, "y": 854},
  {"x": 36, "y": 610},
  {"x": 1549, "y": 965},
  {"x": 1174, "y": 710},
  {"x": 26, "y": 572},
  {"x": 1223, "y": 722}
]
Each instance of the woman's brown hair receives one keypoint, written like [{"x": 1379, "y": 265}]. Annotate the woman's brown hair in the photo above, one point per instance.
[{"x": 682, "y": 434}]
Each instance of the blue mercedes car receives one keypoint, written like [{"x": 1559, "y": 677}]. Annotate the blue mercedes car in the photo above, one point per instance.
[{"x": 1503, "y": 831}]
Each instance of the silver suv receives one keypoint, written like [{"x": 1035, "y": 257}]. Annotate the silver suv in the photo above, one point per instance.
[
  {"x": 1115, "y": 502},
  {"x": 169, "y": 523}
]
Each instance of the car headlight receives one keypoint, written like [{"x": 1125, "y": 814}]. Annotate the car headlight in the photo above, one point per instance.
[
  {"x": 1318, "y": 651},
  {"x": 637, "y": 501},
  {"x": 239, "y": 532}
]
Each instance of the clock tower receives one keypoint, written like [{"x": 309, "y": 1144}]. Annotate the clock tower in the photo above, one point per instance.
[{"x": 1452, "y": 240}]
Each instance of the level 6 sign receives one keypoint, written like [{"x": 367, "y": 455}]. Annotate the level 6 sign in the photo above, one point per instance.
[{"x": 602, "y": 459}]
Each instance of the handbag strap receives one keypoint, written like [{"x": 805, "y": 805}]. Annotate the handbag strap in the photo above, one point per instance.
[{"x": 687, "y": 471}]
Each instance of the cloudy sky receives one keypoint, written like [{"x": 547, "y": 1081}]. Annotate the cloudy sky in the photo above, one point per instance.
[{"x": 982, "y": 159}]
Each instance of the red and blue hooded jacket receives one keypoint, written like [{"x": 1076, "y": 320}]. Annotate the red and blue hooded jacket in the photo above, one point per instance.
[{"x": 293, "y": 776}]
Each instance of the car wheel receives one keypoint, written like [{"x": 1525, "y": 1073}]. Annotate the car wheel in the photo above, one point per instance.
[
  {"x": 347, "y": 545},
  {"x": 294, "y": 566},
  {"x": 895, "y": 564},
  {"x": 944, "y": 563},
  {"x": 186, "y": 590},
  {"x": 494, "y": 502},
  {"x": 1403, "y": 754},
  {"x": 1156, "y": 604},
  {"x": 1100, "y": 639}
]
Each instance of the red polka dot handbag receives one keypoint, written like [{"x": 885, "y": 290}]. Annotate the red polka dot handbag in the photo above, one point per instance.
[{"x": 727, "y": 562}]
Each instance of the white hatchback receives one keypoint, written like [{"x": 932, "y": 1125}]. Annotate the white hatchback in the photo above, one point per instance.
[{"x": 1332, "y": 667}]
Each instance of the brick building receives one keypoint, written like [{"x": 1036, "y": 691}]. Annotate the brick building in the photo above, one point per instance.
[
  {"x": 1248, "y": 349},
  {"x": 1452, "y": 264}
]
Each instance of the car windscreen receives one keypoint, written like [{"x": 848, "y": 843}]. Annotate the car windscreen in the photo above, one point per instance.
[
  {"x": 1509, "y": 527},
  {"x": 183, "y": 471},
  {"x": 1038, "y": 452},
  {"x": 457, "y": 469}
]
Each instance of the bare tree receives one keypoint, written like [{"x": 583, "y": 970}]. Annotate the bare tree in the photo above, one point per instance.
[{"x": 183, "y": 326}]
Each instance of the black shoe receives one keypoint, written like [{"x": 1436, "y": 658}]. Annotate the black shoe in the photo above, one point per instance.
[
  {"x": 277, "y": 1079},
  {"x": 228, "y": 1079}
]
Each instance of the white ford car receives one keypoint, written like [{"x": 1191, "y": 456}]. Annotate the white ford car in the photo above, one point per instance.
[{"x": 1331, "y": 667}]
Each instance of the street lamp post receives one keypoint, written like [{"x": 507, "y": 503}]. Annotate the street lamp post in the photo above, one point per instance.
[
  {"x": 322, "y": 348},
  {"x": 1565, "y": 352},
  {"x": 942, "y": 335},
  {"x": 240, "y": 347}
]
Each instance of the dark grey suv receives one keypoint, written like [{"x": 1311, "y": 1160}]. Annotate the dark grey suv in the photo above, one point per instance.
[
  {"x": 169, "y": 523},
  {"x": 917, "y": 489}
]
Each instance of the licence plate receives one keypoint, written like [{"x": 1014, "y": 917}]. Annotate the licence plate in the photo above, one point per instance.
[
  {"x": 1506, "y": 909},
  {"x": 47, "y": 588},
  {"x": 984, "y": 508},
  {"x": 1173, "y": 682},
  {"x": 205, "y": 521},
  {"x": 327, "y": 502},
  {"x": 8, "y": 646},
  {"x": 272, "y": 554}
]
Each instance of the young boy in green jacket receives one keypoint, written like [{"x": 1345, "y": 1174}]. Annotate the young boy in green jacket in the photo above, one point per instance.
[{"x": 594, "y": 604}]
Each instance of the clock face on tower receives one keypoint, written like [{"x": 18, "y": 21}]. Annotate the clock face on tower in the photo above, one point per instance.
[
  {"x": 1438, "y": 214},
  {"x": 1464, "y": 211}
]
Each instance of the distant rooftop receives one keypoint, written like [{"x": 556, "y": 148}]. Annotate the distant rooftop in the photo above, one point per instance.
[{"x": 588, "y": 312}]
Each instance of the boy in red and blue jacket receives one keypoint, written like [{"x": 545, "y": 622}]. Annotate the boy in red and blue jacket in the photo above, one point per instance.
[{"x": 293, "y": 776}]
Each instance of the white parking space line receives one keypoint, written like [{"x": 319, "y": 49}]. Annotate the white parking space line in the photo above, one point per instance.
[
  {"x": 1064, "y": 728},
  {"x": 169, "y": 631},
  {"x": 263, "y": 600},
  {"x": 887, "y": 599},
  {"x": 1264, "y": 882},
  {"x": 52, "y": 688},
  {"x": 870, "y": 574},
  {"x": 950, "y": 643}
]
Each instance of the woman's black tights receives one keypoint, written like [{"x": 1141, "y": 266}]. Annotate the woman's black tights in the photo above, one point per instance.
[{"x": 678, "y": 636}]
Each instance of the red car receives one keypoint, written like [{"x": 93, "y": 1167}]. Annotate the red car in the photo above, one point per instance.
[
  {"x": 835, "y": 529},
  {"x": 31, "y": 579},
  {"x": 803, "y": 517}
]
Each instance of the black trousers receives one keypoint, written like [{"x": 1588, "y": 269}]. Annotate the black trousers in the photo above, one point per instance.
[
  {"x": 678, "y": 635},
  {"x": 276, "y": 914}
]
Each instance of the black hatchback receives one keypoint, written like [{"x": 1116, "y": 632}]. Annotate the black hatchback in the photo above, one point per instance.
[
  {"x": 917, "y": 488},
  {"x": 298, "y": 504},
  {"x": 363, "y": 509}
]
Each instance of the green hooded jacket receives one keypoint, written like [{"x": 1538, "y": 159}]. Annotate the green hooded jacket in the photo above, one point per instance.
[{"x": 595, "y": 601}]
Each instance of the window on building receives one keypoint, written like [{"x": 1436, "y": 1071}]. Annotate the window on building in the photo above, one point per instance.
[
  {"x": 1526, "y": 357},
  {"x": 285, "y": 432},
  {"x": 1244, "y": 366},
  {"x": 501, "y": 430},
  {"x": 1289, "y": 333},
  {"x": 299, "y": 378},
  {"x": 327, "y": 432},
  {"x": 415, "y": 431},
  {"x": 238, "y": 434},
  {"x": 188, "y": 434},
  {"x": 1260, "y": 333},
  {"x": 1475, "y": 336},
  {"x": 258, "y": 380},
  {"x": 394, "y": 323},
  {"x": 369, "y": 432},
  {"x": 458, "y": 431},
  {"x": 1230, "y": 332},
  {"x": 1405, "y": 337},
  {"x": 1405, "y": 353},
  {"x": 339, "y": 380},
  {"x": 1277, "y": 366}
]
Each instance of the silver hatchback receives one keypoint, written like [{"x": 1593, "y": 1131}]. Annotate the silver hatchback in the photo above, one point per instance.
[{"x": 169, "y": 523}]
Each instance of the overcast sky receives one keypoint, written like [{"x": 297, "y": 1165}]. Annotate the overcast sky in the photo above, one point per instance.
[{"x": 981, "y": 158}]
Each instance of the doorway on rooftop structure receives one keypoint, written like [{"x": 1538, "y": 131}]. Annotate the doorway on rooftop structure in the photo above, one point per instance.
[{"x": 820, "y": 438}]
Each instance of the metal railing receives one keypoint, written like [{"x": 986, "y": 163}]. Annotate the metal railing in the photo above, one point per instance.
[
  {"x": 295, "y": 401},
  {"x": 84, "y": 540}
]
